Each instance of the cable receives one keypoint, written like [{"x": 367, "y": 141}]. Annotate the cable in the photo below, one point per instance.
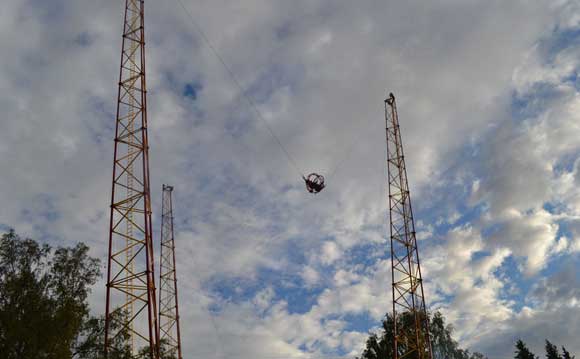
[
  {"x": 345, "y": 156},
  {"x": 244, "y": 93},
  {"x": 343, "y": 160}
]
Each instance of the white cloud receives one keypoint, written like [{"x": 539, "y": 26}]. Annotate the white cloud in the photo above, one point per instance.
[
  {"x": 560, "y": 246},
  {"x": 575, "y": 245},
  {"x": 528, "y": 235},
  {"x": 555, "y": 305},
  {"x": 310, "y": 276},
  {"x": 330, "y": 252},
  {"x": 453, "y": 270},
  {"x": 319, "y": 71}
]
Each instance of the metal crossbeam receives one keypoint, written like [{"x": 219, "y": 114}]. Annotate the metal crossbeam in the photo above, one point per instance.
[
  {"x": 168, "y": 302},
  {"x": 408, "y": 297},
  {"x": 130, "y": 270}
]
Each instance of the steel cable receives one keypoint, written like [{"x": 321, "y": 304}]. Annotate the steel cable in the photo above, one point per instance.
[{"x": 244, "y": 93}]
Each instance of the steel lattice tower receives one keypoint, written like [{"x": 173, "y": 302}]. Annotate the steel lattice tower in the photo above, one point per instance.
[
  {"x": 131, "y": 312},
  {"x": 168, "y": 303},
  {"x": 411, "y": 340}
]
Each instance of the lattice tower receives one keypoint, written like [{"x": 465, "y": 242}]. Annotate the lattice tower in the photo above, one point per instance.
[
  {"x": 131, "y": 313},
  {"x": 168, "y": 301},
  {"x": 411, "y": 326}
]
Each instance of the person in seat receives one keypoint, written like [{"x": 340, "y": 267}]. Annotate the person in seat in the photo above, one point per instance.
[{"x": 314, "y": 183}]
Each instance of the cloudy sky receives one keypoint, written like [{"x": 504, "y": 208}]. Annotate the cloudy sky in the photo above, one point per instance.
[{"x": 489, "y": 102}]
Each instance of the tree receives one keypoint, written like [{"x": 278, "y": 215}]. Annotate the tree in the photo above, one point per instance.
[
  {"x": 43, "y": 297},
  {"x": 380, "y": 345},
  {"x": 552, "y": 351},
  {"x": 566, "y": 354},
  {"x": 90, "y": 342},
  {"x": 522, "y": 351},
  {"x": 43, "y": 304},
  {"x": 442, "y": 343},
  {"x": 164, "y": 352}
]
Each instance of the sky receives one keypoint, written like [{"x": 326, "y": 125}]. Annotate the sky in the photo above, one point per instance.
[{"x": 489, "y": 104}]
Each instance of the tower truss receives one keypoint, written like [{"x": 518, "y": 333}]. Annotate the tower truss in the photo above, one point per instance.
[
  {"x": 168, "y": 302},
  {"x": 131, "y": 312},
  {"x": 409, "y": 309}
]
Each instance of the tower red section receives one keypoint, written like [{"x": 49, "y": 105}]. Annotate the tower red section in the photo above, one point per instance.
[
  {"x": 168, "y": 301},
  {"x": 131, "y": 313},
  {"x": 411, "y": 341}
]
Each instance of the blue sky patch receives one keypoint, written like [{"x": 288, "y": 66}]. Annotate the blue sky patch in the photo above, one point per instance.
[{"x": 191, "y": 90}]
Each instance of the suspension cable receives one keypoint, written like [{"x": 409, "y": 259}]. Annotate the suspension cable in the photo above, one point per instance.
[{"x": 244, "y": 93}]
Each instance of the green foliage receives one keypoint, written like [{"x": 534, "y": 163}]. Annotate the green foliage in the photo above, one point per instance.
[
  {"x": 380, "y": 345},
  {"x": 566, "y": 354},
  {"x": 443, "y": 344},
  {"x": 91, "y": 340},
  {"x": 43, "y": 305},
  {"x": 44, "y": 312},
  {"x": 522, "y": 351},
  {"x": 164, "y": 351},
  {"x": 552, "y": 351},
  {"x": 43, "y": 297}
]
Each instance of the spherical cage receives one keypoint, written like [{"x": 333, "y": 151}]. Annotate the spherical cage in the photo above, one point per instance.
[{"x": 315, "y": 178}]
